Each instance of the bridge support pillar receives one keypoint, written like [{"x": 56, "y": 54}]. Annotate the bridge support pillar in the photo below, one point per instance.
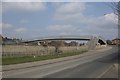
[{"x": 92, "y": 43}]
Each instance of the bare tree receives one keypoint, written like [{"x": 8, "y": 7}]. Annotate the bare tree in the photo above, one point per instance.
[
  {"x": 115, "y": 6},
  {"x": 57, "y": 45}
]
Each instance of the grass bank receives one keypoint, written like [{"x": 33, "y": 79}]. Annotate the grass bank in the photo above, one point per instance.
[{"x": 17, "y": 60}]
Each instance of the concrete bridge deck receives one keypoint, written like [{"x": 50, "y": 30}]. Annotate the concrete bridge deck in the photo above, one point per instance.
[{"x": 92, "y": 40}]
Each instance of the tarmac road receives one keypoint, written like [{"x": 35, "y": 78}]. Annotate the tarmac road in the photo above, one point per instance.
[{"x": 99, "y": 68}]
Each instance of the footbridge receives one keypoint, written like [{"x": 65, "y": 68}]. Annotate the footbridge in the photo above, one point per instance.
[{"x": 92, "y": 41}]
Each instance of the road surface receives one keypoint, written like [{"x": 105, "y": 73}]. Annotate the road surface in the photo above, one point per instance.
[{"x": 92, "y": 66}]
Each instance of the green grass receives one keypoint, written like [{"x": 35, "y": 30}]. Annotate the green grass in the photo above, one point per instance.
[
  {"x": 17, "y": 60},
  {"x": 0, "y": 61}
]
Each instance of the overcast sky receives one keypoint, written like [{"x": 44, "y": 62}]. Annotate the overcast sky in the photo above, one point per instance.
[{"x": 29, "y": 20}]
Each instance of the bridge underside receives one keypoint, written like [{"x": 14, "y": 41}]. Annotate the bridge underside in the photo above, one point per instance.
[
  {"x": 62, "y": 39},
  {"x": 101, "y": 42}
]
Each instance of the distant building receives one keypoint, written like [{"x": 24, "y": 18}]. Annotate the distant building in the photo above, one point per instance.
[
  {"x": 9, "y": 41},
  {"x": 116, "y": 41},
  {"x": 73, "y": 43}
]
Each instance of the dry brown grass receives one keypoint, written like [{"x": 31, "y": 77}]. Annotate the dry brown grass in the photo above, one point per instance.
[{"x": 21, "y": 50}]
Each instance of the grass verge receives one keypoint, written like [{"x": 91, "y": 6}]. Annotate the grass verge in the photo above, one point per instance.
[{"x": 17, "y": 60}]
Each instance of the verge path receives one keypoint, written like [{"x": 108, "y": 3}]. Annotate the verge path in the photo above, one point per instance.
[{"x": 51, "y": 61}]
